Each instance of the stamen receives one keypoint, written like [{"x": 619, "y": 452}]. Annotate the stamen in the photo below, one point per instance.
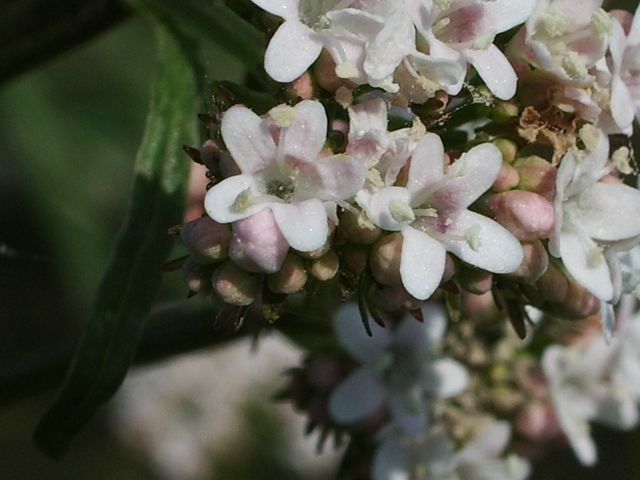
[
  {"x": 242, "y": 201},
  {"x": 556, "y": 22},
  {"x": 595, "y": 257},
  {"x": 347, "y": 69},
  {"x": 575, "y": 67},
  {"x": 401, "y": 212},
  {"x": 283, "y": 115},
  {"x": 472, "y": 237},
  {"x": 621, "y": 160},
  {"x": 601, "y": 23}
]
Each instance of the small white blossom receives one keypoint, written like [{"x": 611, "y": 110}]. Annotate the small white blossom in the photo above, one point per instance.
[
  {"x": 432, "y": 214},
  {"x": 400, "y": 369}
]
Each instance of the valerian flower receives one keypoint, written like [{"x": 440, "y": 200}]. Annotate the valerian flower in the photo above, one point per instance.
[
  {"x": 594, "y": 382},
  {"x": 432, "y": 457},
  {"x": 282, "y": 170},
  {"x": 593, "y": 218},
  {"x": 565, "y": 40},
  {"x": 400, "y": 369},
  {"x": 432, "y": 214}
]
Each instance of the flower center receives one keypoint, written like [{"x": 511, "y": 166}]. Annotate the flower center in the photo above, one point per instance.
[{"x": 282, "y": 189}]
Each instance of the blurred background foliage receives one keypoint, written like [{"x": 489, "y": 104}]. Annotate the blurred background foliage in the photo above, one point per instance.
[{"x": 69, "y": 130}]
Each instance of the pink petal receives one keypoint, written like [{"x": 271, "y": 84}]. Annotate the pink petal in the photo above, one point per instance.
[
  {"x": 302, "y": 141},
  {"x": 421, "y": 263},
  {"x": 303, "y": 224},
  {"x": 427, "y": 163},
  {"x": 495, "y": 70},
  {"x": 220, "y": 201},
  {"x": 338, "y": 177},
  {"x": 248, "y": 139},
  {"x": 292, "y": 50}
]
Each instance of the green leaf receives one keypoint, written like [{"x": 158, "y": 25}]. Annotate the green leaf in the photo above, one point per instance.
[
  {"x": 215, "y": 22},
  {"x": 111, "y": 336}
]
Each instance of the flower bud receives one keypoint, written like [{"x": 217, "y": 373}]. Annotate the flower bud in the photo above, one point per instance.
[
  {"x": 235, "y": 286},
  {"x": 508, "y": 148},
  {"x": 353, "y": 258},
  {"x": 358, "y": 229},
  {"x": 525, "y": 214},
  {"x": 479, "y": 307},
  {"x": 534, "y": 263},
  {"x": 257, "y": 244},
  {"x": 324, "y": 373},
  {"x": 537, "y": 175},
  {"x": 325, "y": 267},
  {"x": 324, "y": 71},
  {"x": 391, "y": 299},
  {"x": 449, "y": 269},
  {"x": 475, "y": 281},
  {"x": 302, "y": 87},
  {"x": 206, "y": 239},
  {"x": 385, "y": 259},
  {"x": 196, "y": 276},
  {"x": 536, "y": 421},
  {"x": 290, "y": 278},
  {"x": 504, "y": 112},
  {"x": 508, "y": 178}
]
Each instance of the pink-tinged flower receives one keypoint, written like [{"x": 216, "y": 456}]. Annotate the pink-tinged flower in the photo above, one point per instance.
[
  {"x": 433, "y": 457},
  {"x": 464, "y": 30},
  {"x": 594, "y": 220},
  {"x": 432, "y": 215},
  {"x": 400, "y": 369},
  {"x": 625, "y": 70},
  {"x": 311, "y": 25},
  {"x": 287, "y": 175},
  {"x": 564, "y": 39}
]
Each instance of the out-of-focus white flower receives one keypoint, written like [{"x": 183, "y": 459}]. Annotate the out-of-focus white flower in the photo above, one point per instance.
[
  {"x": 432, "y": 214},
  {"x": 287, "y": 176},
  {"x": 594, "y": 382},
  {"x": 400, "y": 368},
  {"x": 565, "y": 39},
  {"x": 625, "y": 70},
  {"x": 432, "y": 457},
  {"x": 594, "y": 220}
]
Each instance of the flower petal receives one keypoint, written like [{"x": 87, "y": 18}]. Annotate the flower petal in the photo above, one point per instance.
[
  {"x": 489, "y": 443},
  {"x": 356, "y": 397},
  {"x": 338, "y": 177},
  {"x": 445, "y": 378},
  {"x": 292, "y": 50},
  {"x": 248, "y": 139},
  {"x": 482, "y": 242},
  {"x": 422, "y": 263},
  {"x": 468, "y": 177},
  {"x": 302, "y": 141},
  {"x": 392, "y": 460},
  {"x": 378, "y": 206},
  {"x": 585, "y": 262},
  {"x": 303, "y": 224},
  {"x": 607, "y": 211},
  {"x": 502, "y": 15},
  {"x": 220, "y": 202},
  {"x": 495, "y": 70},
  {"x": 409, "y": 411},
  {"x": 351, "y": 334},
  {"x": 427, "y": 163}
]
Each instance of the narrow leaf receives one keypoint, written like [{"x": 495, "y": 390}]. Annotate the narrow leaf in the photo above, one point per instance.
[{"x": 111, "y": 336}]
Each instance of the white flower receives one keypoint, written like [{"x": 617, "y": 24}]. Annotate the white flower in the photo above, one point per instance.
[
  {"x": 565, "y": 39},
  {"x": 399, "y": 368},
  {"x": 432, "y": 457},
  {"x": 432, "y": 214},
  {"x": 464, "y": 30},
  {"x": 309, "y": 25},
  {"x": 592, "y": 217},
  {"x": 287, "y": 175},
  {"x": 625, "y": 73},
  {"x": 594, "y": 382}
]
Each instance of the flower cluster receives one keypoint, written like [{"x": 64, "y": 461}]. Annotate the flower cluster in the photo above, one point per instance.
[{"x": 468, "y": 152}]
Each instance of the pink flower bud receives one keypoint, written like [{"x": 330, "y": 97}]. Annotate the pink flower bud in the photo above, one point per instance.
[
  {"x": 196, "y": 276},
  {"x": 525, "y": 214},
  {"x": 357, "y": 229},
  {"x": 324, "y": 71},
  {"x": 537, "y": 175},
  {"x": 392, "y": 299},
  {"x": 206, "y": 239},
  {"x": 534, "y": 263},
  {"x": 353, "y": 258},
  {"x": 536, "y": 421},
  {"x": 385, "y": 259},
  {"x": 235, "y": 286},
  {"x": 325, "y": 267},
  {"x": 290, "y": 278},
  {"x": 257, "y": 244},
  {"x": 508, "y": 178},
  {"x": 479, "y": 307}
]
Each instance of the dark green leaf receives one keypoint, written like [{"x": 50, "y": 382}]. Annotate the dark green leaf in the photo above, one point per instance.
[{"x": 111, "y": 336}]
